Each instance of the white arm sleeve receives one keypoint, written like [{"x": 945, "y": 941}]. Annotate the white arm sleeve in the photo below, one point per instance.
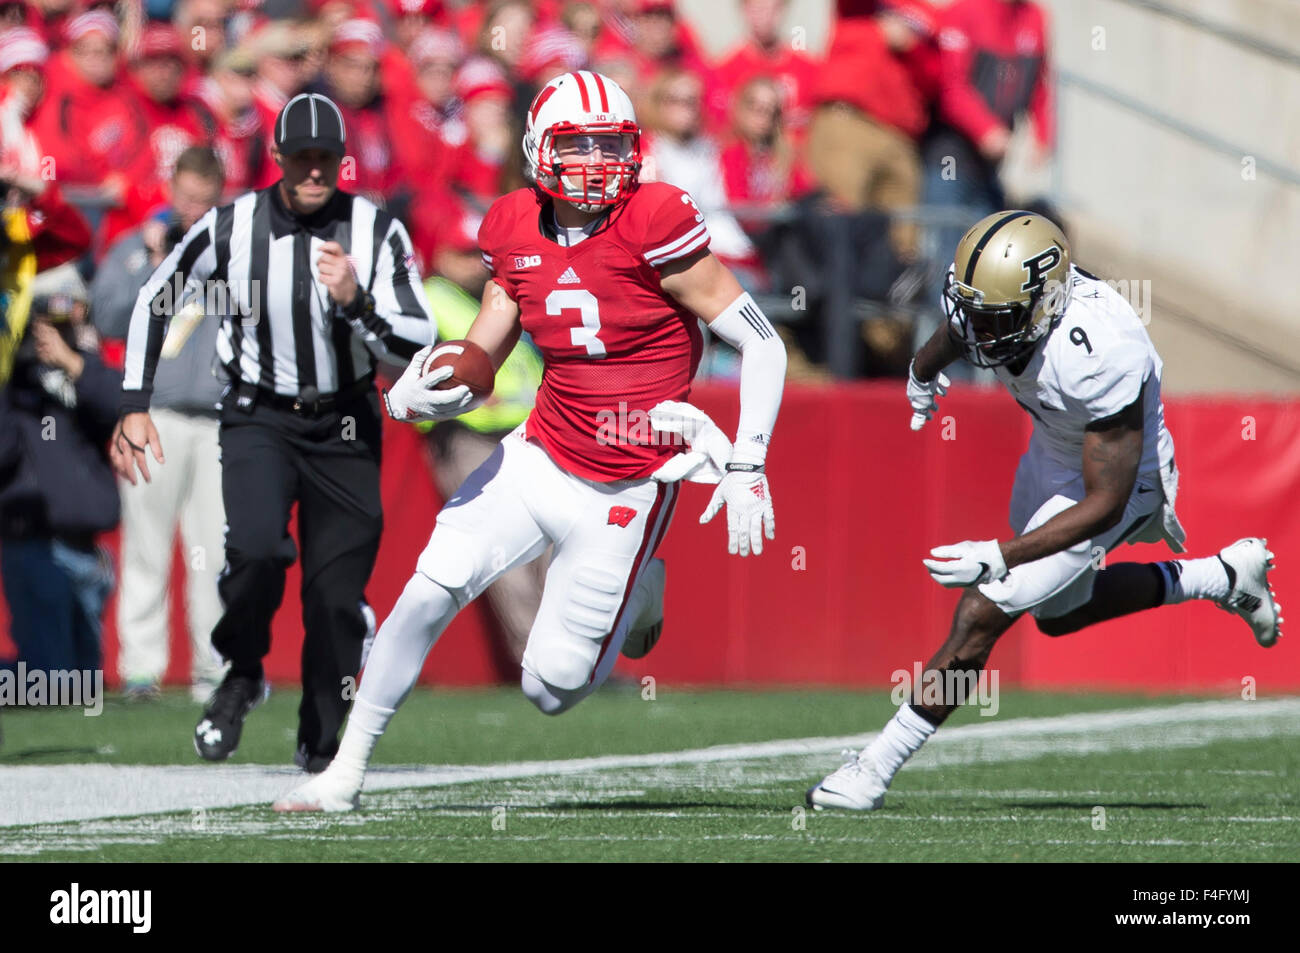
[{"x": 762, "y": 374}]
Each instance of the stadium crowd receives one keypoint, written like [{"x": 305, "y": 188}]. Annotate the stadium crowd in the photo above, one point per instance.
[{"x": 797, "y": 158}]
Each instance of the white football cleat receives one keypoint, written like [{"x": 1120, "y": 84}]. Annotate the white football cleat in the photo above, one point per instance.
[
  {"x": 327, "y": 792},
  {"x": 855, "y": 787},
  {"x": 649, "y": 623},
  {"x": 1248, "y": 562}
]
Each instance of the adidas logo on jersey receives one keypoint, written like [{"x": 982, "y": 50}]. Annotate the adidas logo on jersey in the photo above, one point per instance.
[{"x": 570, "y": 277}]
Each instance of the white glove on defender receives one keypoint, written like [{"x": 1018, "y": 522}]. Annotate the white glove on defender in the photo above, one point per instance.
[
  {"x": 923, "y": 396},
  {"x": 708, "y": 448},
  {"x": 966, "y": 564},
  {"x": 413, "y": 396},
  {"x": 749, "y": 511}
]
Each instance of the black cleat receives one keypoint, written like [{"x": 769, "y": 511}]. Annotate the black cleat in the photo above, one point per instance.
[
  {"x": 216, "y": 736},
  {"x": 311, "y": 763}
]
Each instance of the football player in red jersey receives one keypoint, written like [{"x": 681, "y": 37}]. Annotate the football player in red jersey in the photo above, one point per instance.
[{"x": 609, "y": 276}]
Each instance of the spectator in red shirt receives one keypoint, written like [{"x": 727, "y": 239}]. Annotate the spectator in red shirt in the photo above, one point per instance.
[
  {"x": 92, "y": 127},
  {"x": 476, "y": 167},
  {"x": 352, "y": 77},
  {"x": 430, "y": 116},
  {"x": 994, "y": 67},
  {"x": 658, "y": 39},
  {"x": 863, "y": 140},
  {"x": 760, "y": 168},
  {"x": 766, "y": 52},
  {"x": 174, "y": 122},
  {"x": 242, "y": 143},
  {"x": 22, "y": 84},
  {"x": 408, "y": 19}
]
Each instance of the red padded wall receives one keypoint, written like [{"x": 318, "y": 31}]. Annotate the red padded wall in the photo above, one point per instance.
[{"x": 864, "y": 498}]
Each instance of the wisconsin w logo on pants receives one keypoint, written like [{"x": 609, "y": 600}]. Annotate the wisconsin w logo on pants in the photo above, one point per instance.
[{"x": 621, "y": 516}]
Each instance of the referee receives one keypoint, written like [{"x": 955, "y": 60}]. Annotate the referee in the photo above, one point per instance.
[{"x": 313, "y": 285}]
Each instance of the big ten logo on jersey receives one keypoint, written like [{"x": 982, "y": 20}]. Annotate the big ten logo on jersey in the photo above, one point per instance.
[{"x": 527, "y": 261}]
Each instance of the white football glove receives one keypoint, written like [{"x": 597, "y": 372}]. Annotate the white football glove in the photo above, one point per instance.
[
  {"x": 708, "y": 448},
  {"x": 966, "y": 564},
  {"x": 413, "y": 397},
  {"x": 924, "y": 396},
  {"x": 749, "y": 510}
]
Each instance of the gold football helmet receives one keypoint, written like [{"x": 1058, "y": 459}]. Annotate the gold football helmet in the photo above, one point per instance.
[{"x": 1008, "y": 286}]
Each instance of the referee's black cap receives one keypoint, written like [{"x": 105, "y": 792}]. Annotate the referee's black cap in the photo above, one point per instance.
[{"x": 310, "y": 121}]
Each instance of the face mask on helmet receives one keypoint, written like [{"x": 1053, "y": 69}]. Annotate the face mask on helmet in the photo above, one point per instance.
[
  {"x": 996, "y": 334},
  {"x": 591, "y": 166}
]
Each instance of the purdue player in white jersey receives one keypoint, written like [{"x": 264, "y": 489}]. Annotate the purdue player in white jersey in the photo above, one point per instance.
[{"x": 1099, "y": 471}]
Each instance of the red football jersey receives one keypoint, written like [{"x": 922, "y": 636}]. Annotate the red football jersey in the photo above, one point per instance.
[{"x": 614, "y": 343}]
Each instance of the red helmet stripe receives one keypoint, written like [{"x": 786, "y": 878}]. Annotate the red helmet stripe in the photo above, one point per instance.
[
  {"x": 540, "y": 101},
  {"x": 582, "y": 88},
  {"x": 600, "y": 85}
]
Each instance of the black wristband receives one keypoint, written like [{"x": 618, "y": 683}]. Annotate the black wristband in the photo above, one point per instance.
[
  {"x": 363, "y": 302},
  {"x": 744, "y": 468}
]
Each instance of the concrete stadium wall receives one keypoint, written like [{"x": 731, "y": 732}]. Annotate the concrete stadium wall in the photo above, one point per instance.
[{"x": 1214, "y": 225}]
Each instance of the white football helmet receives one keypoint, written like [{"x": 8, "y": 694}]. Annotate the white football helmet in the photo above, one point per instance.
[{"x": 572, "y": 117}]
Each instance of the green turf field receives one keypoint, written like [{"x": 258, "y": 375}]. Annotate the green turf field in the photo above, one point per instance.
[{"x": 479, "y": 775}]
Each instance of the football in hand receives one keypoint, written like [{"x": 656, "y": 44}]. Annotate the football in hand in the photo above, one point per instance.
[{"x": 470, "y": 364}]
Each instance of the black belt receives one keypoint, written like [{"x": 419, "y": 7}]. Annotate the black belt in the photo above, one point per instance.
[{"x": 305, "y": 405}]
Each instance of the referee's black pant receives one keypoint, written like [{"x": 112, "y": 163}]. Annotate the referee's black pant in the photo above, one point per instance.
[{"x": 329, "y": 463}]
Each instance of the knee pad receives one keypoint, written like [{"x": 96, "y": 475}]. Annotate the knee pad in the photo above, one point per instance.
[
  {"x": 566, "y": 659},
  {"x": 592, "y": 602},
  {"x": 548, "y": 699}
]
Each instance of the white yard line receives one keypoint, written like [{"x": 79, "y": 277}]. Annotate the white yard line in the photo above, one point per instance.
[{"x": 38, "y": 794}]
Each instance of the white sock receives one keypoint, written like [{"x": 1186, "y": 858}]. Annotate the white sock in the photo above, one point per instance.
[
  {"x": 900, "y": 739},
  {"x": 1186, "y": 579},
  {"x": 365, "y": 724},
  {"x": 422, "y": 612}
]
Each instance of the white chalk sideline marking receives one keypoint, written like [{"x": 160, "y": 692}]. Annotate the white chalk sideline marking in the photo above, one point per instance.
[{"x": 38, "y": 794}]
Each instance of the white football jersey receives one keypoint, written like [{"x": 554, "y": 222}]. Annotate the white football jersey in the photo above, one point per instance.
[{"x": 1092, "y": 365}]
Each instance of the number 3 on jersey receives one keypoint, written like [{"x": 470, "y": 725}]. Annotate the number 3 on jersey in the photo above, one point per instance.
[{"x": 564, "y": 299}]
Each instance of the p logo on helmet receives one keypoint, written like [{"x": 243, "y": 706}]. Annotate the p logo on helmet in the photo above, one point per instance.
[
  {"x": 1009, "y": 284},
  {"x": 1038, "y": 268}
]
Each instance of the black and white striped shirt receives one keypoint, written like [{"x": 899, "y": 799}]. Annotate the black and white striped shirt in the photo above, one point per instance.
[{"x": 252, "y": 263}]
